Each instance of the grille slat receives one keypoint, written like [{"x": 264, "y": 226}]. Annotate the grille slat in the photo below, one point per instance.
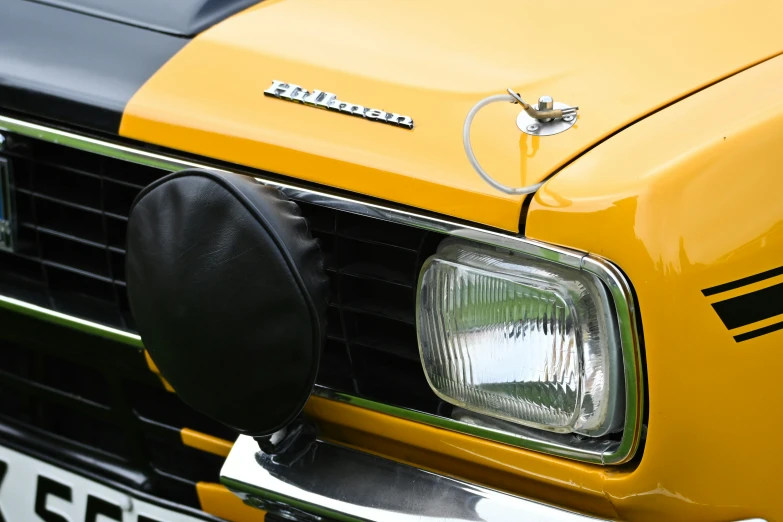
[
  {"x": 66, "y": 203},
  {"x": 91, "y": 408},
  {"x": 61, "y": 235}
]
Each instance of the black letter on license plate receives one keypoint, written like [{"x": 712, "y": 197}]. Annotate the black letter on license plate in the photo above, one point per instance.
[
  {"x": 3, "y": 469},
  {"x": 97, "y": 506},
  {"x": 46, "y": 487}
]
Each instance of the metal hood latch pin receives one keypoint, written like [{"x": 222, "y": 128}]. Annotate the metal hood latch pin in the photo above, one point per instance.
[{"x": 545, "y": 118}]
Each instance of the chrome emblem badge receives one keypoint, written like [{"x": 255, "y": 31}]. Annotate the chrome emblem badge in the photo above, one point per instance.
[
  {"x": 6, "y": 207},
  {"x": 327, "y": 100}
]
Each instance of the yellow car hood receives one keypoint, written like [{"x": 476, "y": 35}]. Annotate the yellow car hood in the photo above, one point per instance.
[{"x": 617, "y": 60}]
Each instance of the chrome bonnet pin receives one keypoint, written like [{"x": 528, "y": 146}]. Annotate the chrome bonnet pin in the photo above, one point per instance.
[{"x": 546, "y": 118}]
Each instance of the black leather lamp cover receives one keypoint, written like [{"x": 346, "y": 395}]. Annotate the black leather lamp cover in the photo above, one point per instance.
[{"x": 229, "y": 294}]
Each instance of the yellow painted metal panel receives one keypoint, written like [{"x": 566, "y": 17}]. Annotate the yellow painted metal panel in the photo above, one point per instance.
[
  {"x": 216, "y": 500},
  {"x": 684, "y": 200},
  {"x": 688, "y": 199},
  {"x": 204, "y": 442},
  {"x": 617, "y": 60},
  {"x": 154, "y": 369}
]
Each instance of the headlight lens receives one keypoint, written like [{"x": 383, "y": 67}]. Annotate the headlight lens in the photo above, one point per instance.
[{"x": 521, "y": 339}]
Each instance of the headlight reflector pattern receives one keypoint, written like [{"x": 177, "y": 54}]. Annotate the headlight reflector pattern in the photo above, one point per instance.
[{"x": 521, "y": 339}]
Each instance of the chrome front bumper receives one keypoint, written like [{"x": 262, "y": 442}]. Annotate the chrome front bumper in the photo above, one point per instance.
[{"x": 333, "y": 482}]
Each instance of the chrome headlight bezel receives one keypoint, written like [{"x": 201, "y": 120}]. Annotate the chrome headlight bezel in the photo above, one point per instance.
[{"x": 606, "y": 450}]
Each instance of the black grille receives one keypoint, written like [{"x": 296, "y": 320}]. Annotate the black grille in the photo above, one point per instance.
[
  {"x": 72, "y": 209},
  {"x": 93, "y": 404}
]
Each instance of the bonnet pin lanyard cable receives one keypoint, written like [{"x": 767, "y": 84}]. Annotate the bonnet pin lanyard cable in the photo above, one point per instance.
[{"x": 544, "y": 119}]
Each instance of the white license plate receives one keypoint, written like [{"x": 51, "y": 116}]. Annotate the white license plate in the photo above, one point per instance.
[{"x": 32, "y": 490}]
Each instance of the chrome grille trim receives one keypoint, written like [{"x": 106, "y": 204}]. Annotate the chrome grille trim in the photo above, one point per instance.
[{"x": 616, "y": 453}]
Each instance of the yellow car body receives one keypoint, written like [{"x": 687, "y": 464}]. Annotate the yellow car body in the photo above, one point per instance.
[{"x": 672, "y": 172}]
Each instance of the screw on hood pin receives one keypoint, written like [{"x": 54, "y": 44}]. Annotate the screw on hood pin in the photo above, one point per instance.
[{"x": 545, "y": 119}]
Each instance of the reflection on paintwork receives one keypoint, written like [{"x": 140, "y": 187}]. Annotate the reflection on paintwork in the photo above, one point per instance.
[
  {"x": 411, "y": 61},
  {"x": 685, "y": 200},
  {"x": 528, "y": 147},
  {"x": 664, "y": 492}
]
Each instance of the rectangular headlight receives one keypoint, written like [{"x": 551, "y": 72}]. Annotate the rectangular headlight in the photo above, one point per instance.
[{"x": 521, "y": 339}]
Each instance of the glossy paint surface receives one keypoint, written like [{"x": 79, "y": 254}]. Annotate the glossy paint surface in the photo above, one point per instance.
[
  {"x": 202, "y": 441},
  {"x": 686, "y": 200},
  {"x": 154, "y": 369},
  {"x": 616, "y": 60},
  {"x": 217, "y": 500}
]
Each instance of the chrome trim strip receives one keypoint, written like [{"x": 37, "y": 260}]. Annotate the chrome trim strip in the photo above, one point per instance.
[
  {"x": 618, "y": 286},
  {"x": 531, "y": 247},
  {"x": 51, "y": 316},
  {"x": 565, "y": 256},
  {"x": 343, "y": 484},
  {"x": 621, "y": 293},
  {"x": 588, "y": 450}
]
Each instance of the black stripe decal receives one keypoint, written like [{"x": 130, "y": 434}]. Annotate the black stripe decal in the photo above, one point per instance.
[
  {"x": 68, "y": 67},
  {"x": 761, "y": 331},
  {"x": 750, "y": 308},
  {"x": 743, "y": 282}
]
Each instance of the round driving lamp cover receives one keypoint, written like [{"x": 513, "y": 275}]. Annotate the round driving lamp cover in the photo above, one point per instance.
[{"x": 228, "y": 291}]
